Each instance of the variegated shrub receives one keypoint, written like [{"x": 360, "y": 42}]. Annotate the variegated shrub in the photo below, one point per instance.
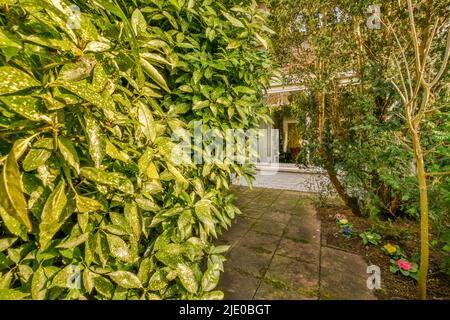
[{"x": 92, "y": 204}]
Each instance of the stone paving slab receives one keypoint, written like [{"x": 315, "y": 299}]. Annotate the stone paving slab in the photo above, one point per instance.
[
  {"x": 258, "y": 242},
  {"x": 343, "y": 276},
  {"x": 276, "y": 252},
  {"x": 304, "y": 182},
  {"x": 248, "y": 261},
  {"x": 238, "y": 286}
]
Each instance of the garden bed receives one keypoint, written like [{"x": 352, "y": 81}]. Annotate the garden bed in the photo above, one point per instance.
[{"x": 393, "y": 286}]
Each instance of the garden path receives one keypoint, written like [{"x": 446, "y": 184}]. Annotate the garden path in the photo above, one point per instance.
[{"x": 276, "y": 252}]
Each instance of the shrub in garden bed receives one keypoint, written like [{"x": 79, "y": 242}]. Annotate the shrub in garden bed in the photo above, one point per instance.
[{"x": 93, "y": 205}]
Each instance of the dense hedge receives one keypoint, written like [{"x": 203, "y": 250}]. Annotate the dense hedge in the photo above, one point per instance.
[{"x": 87, "y": 113}]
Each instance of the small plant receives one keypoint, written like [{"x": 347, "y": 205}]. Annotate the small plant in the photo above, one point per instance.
[
  {"x": 406, "y": 268},
  {"x": 370, "y": 237},
  {"x": 347, "y": 231},
  {"x": 393, "y": 251},
  {"x": 345, "y": 227}
]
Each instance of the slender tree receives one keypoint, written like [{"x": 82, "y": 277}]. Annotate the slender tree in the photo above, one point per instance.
[{"x": 415, "y": 85}]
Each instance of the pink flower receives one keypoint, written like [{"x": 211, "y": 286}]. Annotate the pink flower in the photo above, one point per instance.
[
  {"x": 404, "y": 265},
  {"x": 340, "y": 216}
]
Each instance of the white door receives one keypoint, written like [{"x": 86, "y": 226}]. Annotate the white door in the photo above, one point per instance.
[{"x": 268, "y": 144}]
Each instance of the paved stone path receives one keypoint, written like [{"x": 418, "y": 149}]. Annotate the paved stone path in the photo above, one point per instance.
[
  {"x": 276, "y": 252},
  {"x": 297, "y": 181}
]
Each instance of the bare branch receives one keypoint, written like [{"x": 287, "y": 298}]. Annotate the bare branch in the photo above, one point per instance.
[{"x": 444, "y": 63}]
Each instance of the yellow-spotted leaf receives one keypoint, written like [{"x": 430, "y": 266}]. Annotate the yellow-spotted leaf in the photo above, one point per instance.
[
  {"x": 86, "y": 205},
  {"x": 28, "y": 107},
  {"x": 113, "y": 179},
  {"x": 51, "y": 214},
  {"x": 13, "y": 294},
  {"x": 12, "y": 198},
  {"x": 187, "y": 277},
  {"x": 125, "y": 279},
  {"x": 154, "y": 74},
  {"x": 112, "y": 151},
  {"x": 69, "y": 153},
  {"x": 118, "y": 248},
  {"x": 146, "y": 121},
  {"x": 134, "y": 218},
  {"x": 13, "y": 80}
]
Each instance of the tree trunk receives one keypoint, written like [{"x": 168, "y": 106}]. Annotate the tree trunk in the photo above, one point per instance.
[
  {"x": 424, "y": 236},
  {"x": 321, "y": 102},
  {"x": 349, "y": 201}
]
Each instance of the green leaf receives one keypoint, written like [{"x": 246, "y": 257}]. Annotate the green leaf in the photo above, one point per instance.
[
  {"x": 13, "y": 199},
  {"x": 157, "y": 281},
  {"x": 210, "y": 279},
  {"x": 97, "y": 46},
  {"x": 69, "y": 153},
  {"x": 213, "y": 295},
  {"x": 87, "y": 205},
  {"x": 126, "y": 279},
  {"x": 114, "y": 153},
  {"x": 95, "y": 139},
  {"x": 153, "y": 187},
  {"x": 25, "y": 272},
  {"x": 235, "y": 22},
  {"x": 21, "y": 145},
  {"x": 63, "y": 278},
  {"x": 171, "y": 259},
  {"x": 9, "y": 40},
  {"x": 13, "y": 225},
  {"x": 200, "y": 104},
  {"x": 75, "y": 242},
  {"x": 178, "y": 176},
  {"x": 51, "y": 217},
  {"x": 79, "y": 70},
  {"x": 152, "y": 57},
  {"x": 187, "y": 277},
  {"x": 113, "y": 179},
  {"x": 147, "y": 123},
  {"x": 119, "y": 249},
  {"x": 146, "y": 204},
  {"x": 220, "y": 249},
  {"x": 28, "y": 107},
  {"x": 35, "y": 158},
  {"x": 145, "y": 268},
  {"x": 88, "y": 280},
  {"x": 138, "y": 22},
  {"x": 197, "y": 75},
  {"x": 83, "y": 221},
  {"x": 6, "y": 279},
  {"x": 151, "y": 171},
  {"x": 39, "y": 285},
  {"x": 262, "y": 41},
  {"x": 87, "y": 92},
  {"x": 116, "y": 229},
  {"x": 104, "y": 286},
  {"x": 134, "y": 218},
  {"x": 5, "y": 243},
  {"x": 12, "y": 294},
  {"x": 203, "y": 213},
  {"x": 154, "y": 74},
  {"x": 13, "y": 80}
]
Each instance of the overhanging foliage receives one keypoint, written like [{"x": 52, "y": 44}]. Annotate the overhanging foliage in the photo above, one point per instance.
[{"x": 86, "y": 118}]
